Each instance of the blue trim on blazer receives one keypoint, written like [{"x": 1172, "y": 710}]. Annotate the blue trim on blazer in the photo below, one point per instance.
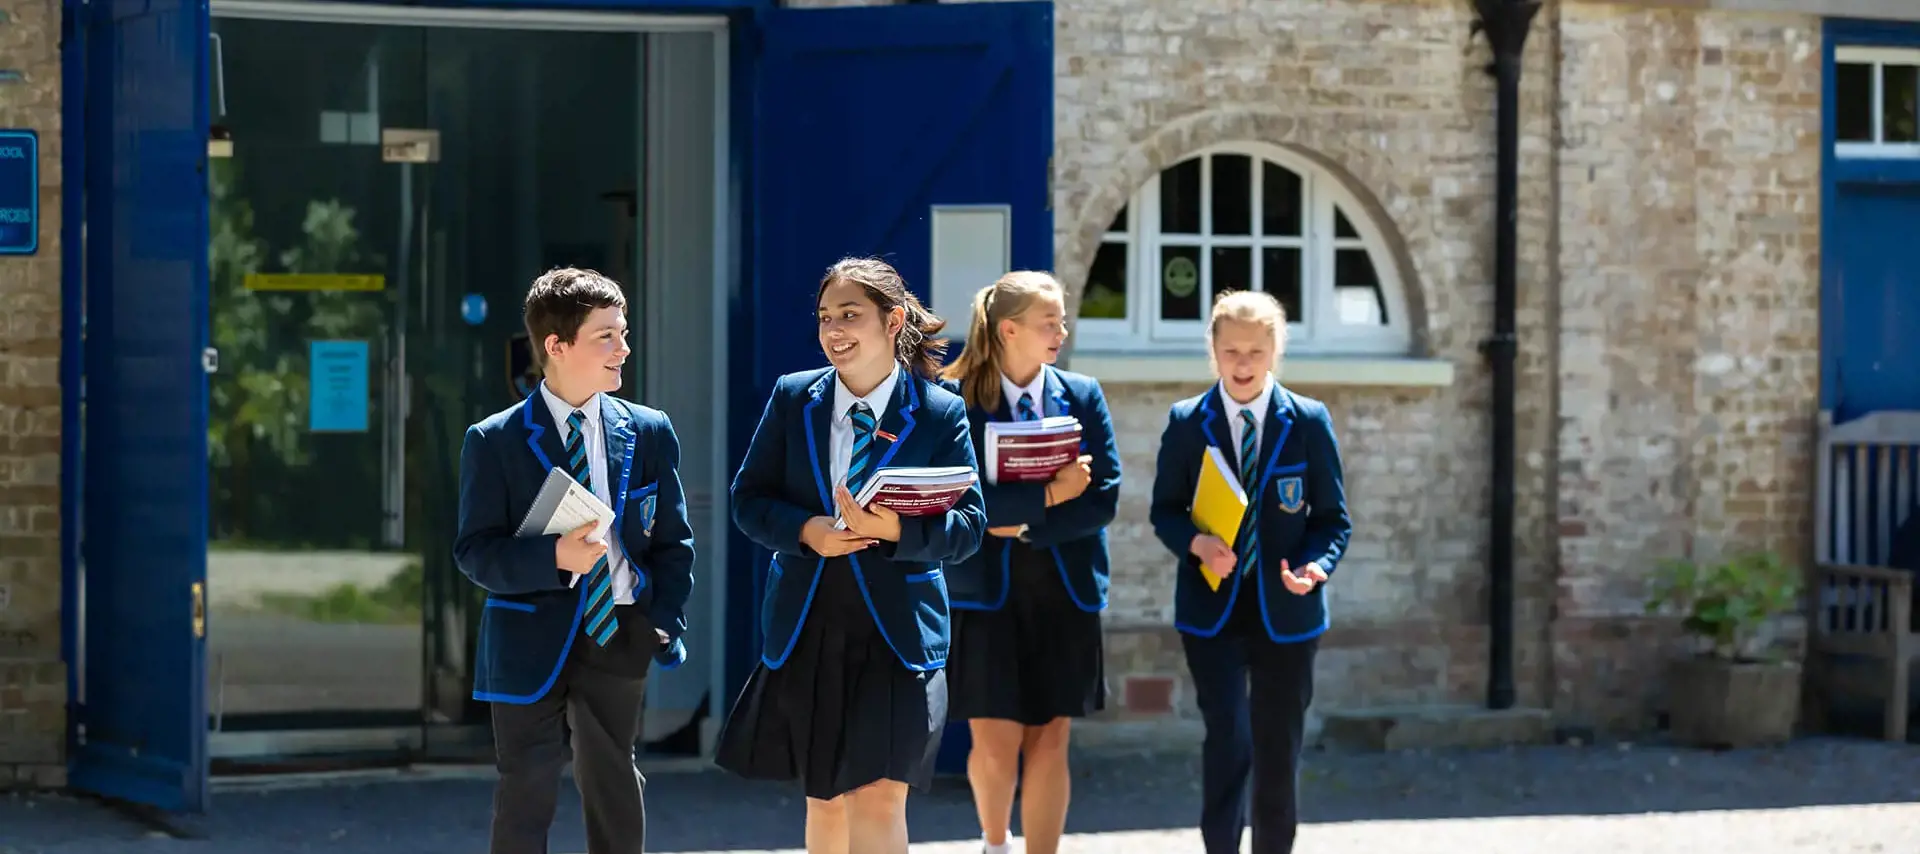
[
  {"x": 1210, "y": 406},
  {"x": 1311, "y": 525},
  {"x": 509, "y": 604},
  {"x": 776, "y": 490},
  {"x": 1089, "y": 594},
  {"x": 532, "y": 600}
]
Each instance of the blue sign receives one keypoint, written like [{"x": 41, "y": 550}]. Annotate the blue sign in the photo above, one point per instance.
[
  {"x": 337, "y": 387},
  {"x": 19, "y": 192},
  {"x": 473, "y": 309}
]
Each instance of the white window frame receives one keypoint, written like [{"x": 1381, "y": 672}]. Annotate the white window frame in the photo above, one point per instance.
[
  {"x": 1318, "y": 331},
  {"x": 1878, "y": 58}
]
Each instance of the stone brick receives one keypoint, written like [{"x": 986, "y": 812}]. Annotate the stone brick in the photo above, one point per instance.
[{"x": 33, "y": 690}]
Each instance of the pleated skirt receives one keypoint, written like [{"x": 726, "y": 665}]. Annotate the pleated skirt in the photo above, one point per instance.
[
  {"x": 842, "y": 711},
  {"x": 1038, "y": 658}
]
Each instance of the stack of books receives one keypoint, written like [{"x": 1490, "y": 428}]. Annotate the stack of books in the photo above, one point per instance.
[
  {"x": 1030, "y": 451},
  {"x": 914, "y": 490}
]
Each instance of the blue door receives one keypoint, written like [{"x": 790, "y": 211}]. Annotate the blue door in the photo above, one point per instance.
[
  {"x": 865, "y": 120},
  {"x": 140, "y": 711},
  {"x": 1872, "y": 310}
]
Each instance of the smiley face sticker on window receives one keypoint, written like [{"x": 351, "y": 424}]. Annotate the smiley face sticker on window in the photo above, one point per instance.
[{"x": 1181, "y": 278}]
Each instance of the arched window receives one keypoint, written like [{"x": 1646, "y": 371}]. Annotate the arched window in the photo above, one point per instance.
[{"x": 1244, "y": 217}]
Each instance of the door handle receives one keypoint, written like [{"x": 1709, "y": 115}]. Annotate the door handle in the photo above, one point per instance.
[
  {"x": 199, "y": 610},
  {"x": 210, "y": 360}
]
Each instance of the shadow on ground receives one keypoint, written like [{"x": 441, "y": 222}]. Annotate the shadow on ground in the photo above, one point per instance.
[{"x": 711, "y": 811}]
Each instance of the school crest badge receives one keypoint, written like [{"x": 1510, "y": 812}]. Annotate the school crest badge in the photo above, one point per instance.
[
  {"x": 646, "y": 513},
  {"x": 1293, "y": 494}
]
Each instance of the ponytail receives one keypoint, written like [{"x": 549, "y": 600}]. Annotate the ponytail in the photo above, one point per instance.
[
  {"x": 979, "y": 367},
  {"x": 915, "y": 346}
]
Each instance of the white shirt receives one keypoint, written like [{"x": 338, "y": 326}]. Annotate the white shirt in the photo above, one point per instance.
[
  {"x": 842, "y": 431},
  {"x": 1037, "y": 388},
  {"x": 1258, "y": 406},
  {"x": 596, "y": 446}
]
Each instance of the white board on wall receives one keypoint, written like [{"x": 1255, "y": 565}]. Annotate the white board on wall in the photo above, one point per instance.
[{"x": 972, "y": 246}]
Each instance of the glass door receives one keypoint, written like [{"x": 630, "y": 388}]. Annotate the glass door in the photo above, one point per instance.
[
  {"x": 541, "y": 132},
  {"x": 315, "y": 594},
  {"x": 388, "y": 194}
]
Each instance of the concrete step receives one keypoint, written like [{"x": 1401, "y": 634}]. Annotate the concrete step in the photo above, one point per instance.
[{"x": 1431, "y": 727}]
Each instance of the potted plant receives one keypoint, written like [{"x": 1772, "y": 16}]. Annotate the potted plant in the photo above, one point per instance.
[{"x": 1732, "y": 690}]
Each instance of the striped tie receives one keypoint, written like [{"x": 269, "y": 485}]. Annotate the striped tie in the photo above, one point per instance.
[
  {"x": 1249, "y": 466},
  {"x": 860, "y": 464},
  {"x": 600, "y": 622},
  {"x": 1025, "y": 408}
]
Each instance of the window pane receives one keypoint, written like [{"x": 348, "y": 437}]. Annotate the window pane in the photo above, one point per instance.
[
  {"x": 1232, "y": 270},
  {"x": 1356, "y": 287},
  {"x": 1106, "y": 294},
  {"x": 1119, "y": 220},
  {"x": 1900, "y": 97},
  {"x": 1180, "y": 198},
  {"x": 1280, "y": 276},
  {"x": 1853, "y": 102},
  {"x": 1232, "y": 194},
  {"x": 1341, "y": 227},
  {"x": 1279, "y": 201},
  {"x": 1179, "y": 283}
]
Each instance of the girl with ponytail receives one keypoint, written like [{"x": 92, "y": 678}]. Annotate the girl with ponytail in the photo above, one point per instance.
[
  {"x": 1027, "y": 655},
  {"x": 850, "y": 697}
]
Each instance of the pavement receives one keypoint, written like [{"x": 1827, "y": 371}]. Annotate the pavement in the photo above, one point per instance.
[{"x": 1829, "y": 796}]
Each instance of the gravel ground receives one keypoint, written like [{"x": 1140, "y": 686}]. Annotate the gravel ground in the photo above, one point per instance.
[{"x": 1813, "y": 796}]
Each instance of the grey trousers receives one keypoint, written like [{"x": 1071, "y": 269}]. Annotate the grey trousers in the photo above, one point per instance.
[{"x": 592, "y": 712}]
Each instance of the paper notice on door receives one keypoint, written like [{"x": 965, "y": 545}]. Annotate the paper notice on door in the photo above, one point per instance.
[
  {"x": 337, "y": 387},
  {"x": 563, "y": 505}
]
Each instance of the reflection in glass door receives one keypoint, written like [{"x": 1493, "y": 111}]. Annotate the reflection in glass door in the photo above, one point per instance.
[
  {"x": 315, "y": 600},
  {"x": 539, "y": 168},
  {"x": 390, "y": 191}
]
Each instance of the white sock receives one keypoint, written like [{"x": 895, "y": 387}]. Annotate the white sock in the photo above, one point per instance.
[{"x": 1003, "y": 848}]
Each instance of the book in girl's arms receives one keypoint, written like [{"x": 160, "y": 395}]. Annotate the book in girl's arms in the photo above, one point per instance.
[
  {"x": 1030, "y": 451},
  {"x": 914, "y": 491}
]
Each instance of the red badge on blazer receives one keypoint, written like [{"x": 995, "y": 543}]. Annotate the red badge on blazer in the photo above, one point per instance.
[{"x": 887, "y": 436}]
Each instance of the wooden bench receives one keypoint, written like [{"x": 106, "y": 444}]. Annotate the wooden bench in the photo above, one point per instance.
[{"x": 1864, "y": 633}]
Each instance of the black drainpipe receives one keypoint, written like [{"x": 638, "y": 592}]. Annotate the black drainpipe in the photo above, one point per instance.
[{"x": 1506, "y": 23}]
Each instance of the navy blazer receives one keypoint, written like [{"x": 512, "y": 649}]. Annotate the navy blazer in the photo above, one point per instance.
[
  {"x": 1073, "y": 532},
  {"x": 532, "y": 617},
  {"x": 784, "y": 481},
  {"x": 1302, "y": 512}
]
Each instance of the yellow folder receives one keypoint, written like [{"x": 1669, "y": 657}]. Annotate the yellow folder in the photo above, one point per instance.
[{"x": 1218, "y": 505}]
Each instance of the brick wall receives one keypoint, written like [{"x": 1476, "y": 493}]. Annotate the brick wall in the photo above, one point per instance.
[
  {"x": 1390, "y": 97},
  {"x": 1689, "y": 190},
  {"x": 33, "y": 687}
]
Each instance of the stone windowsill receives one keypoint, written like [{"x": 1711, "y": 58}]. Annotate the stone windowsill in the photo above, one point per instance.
[{"x": 1294, "y": 371}]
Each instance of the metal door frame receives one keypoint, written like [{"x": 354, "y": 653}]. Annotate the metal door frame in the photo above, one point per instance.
[{"x": 712, "y": 554}]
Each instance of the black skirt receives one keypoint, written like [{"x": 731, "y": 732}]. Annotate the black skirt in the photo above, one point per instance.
[
  {"x": 1036, "y": 659},
  {"x": 842, "y": 711}
]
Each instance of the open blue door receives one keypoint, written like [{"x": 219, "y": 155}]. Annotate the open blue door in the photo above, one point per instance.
[
  {"x": 867, "y": 121},
  {"x": 140, "y": 715}
]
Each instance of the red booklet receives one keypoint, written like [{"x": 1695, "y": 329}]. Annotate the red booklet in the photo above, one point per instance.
[
  {"x": 915, "y": 491},
  {"x": 1030, "y": 451}
]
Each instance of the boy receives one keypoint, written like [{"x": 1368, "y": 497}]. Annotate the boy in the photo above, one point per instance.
[{"x": 570, "y": 624}]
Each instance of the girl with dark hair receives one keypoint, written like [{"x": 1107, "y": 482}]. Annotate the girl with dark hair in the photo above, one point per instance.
[{"x": 851, "y": 696}]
